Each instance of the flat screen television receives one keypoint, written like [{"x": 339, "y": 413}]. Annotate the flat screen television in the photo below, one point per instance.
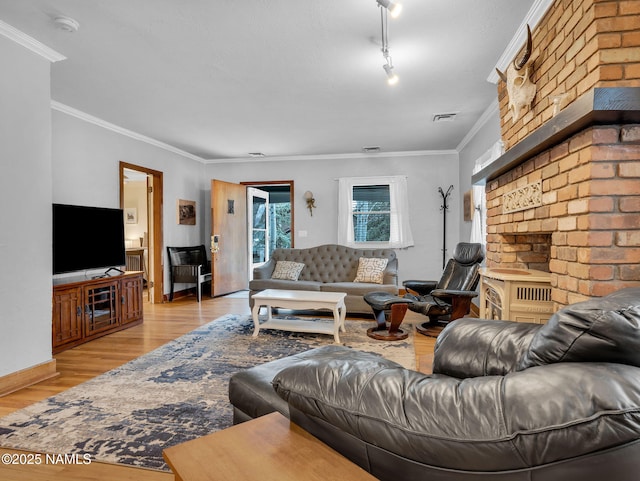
[{"x": 87, "y": 238}]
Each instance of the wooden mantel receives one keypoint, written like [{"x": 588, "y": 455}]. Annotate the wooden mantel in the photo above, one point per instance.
[{"x": 599, "y": 106}]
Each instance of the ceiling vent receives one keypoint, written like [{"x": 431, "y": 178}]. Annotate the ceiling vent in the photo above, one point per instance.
[
  {"x": 449, "y": 117},
  {"x": 370, "y": 150}
]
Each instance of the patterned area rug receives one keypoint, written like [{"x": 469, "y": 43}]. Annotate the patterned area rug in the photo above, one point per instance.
[{"x": 171, "y": 395}]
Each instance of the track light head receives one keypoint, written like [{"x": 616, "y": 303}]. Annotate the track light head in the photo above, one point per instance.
[
  {"x": 393, "y": 7},
  {"x": 392, "y": 78}
]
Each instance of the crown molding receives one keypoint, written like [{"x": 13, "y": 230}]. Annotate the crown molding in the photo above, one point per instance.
[
  {"x": 60, "y": 107},
  {"x": 120, "y": 130},
  {"x": 30, "y": 43},
  {"x": 283, "y": 158},
  {"x": 535, "y": 14},
  {"x": 484, "y": 118}
]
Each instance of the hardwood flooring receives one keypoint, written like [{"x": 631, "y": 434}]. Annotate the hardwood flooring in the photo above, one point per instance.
[{"x": 162, "y": 323}]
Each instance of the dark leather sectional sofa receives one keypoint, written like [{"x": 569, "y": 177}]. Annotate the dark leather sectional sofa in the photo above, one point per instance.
[{"x": 507, "y": 401}]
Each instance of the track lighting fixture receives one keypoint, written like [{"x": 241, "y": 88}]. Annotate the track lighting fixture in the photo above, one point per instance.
[
  {"x": 392, "y": 78},
  {"x": 393, "y": 7}
]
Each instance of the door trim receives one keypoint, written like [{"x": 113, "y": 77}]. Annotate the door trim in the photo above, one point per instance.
[{"x": 157, "y": 234}]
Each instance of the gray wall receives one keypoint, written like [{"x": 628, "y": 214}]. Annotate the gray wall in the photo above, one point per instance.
[
  {"x": 425, "y": 174},
  {"x": 25, "y": 217},
  {"x": 86, "y": 161}
]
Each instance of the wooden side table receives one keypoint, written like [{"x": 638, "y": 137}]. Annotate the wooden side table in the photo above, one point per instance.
[{"x": 269, "y": 448}]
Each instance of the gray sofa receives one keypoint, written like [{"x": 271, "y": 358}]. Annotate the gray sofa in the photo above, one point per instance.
[
  {"x": 507, "y": 401},
  {"x": 331, "y": 268}
]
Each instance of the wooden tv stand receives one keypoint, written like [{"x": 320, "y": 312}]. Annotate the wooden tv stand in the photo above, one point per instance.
[{"x": 85, "y": 309}]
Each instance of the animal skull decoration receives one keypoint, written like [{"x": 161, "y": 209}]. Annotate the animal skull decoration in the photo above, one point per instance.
[{"x": 520, "y": 89}]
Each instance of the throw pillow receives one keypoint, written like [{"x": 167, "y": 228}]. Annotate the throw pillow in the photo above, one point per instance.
[
  {"x": 287, "y": 270},
  {"x": 371, "y": 269}
]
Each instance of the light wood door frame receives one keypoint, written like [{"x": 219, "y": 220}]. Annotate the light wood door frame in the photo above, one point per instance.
[
  {"x": 156, "y": 236},
  {"x": 258, "y": 183}
]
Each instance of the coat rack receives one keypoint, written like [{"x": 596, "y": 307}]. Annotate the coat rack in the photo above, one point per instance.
[{"x": 444, "y": 207}]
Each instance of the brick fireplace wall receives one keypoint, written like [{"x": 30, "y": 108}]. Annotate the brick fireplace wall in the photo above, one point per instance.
[
  {"x": 586, "y": 233},
  {"x": 580, "y": 217},
  {"x": 579, "y": 44}
]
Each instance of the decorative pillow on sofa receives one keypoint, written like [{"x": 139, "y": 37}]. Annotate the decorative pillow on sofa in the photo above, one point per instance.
[
  {"x": 604, "y": 329},
  {"x": 371, "y": 269},
  {"x": 287, "y": 270}
]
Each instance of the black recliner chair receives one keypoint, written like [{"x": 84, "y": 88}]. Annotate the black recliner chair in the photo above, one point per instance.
[{"x": 442, "y": 301}]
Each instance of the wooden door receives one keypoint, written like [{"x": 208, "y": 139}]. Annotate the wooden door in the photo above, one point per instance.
[{"x": 229, "y": 263}]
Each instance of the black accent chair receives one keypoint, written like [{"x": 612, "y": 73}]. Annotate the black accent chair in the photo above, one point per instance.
[
  {"x": 449, "y": 298},
  {"x": 189, "y": 265},
  {"x": 442, "y": 301}
]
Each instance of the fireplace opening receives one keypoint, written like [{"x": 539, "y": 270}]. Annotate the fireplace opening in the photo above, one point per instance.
[{"x": 526, "y": 251}]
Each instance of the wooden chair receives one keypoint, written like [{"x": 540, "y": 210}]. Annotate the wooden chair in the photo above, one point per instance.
[
  {"x": 135, "y": 261},
  {"x": 189, "y": 265}
]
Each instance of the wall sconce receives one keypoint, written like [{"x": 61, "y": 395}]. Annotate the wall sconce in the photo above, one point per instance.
[{"x": 311, "y": 202}]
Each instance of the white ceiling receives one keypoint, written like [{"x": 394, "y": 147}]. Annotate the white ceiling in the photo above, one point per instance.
[{"x": 220, "y": 79}]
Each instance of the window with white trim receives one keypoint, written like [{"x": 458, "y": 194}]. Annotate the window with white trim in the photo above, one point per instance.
[{"x": 374, "y": 212}]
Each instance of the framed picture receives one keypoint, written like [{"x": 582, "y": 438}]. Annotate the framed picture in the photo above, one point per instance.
[
  {"x": 130, "y": 215},
  {"x": 186, "y": 212},
  {"x": 468, "y": 205}
]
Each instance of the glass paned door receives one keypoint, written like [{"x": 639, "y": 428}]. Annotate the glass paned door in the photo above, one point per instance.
[{"x": 258, "y": 207}]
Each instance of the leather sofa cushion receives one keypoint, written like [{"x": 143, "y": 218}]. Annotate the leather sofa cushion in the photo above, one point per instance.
[
  {"x": 603, "y": 329},
  {"x": 251, "y": 391},
  {"x": 478, "y": 347},
  {"x": 489, "y": 423}
]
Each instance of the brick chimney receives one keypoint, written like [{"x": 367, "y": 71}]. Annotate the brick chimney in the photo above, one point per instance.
[{"x": 565, "y": 196}]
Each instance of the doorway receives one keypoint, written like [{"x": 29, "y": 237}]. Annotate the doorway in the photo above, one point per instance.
[
  {"x": 258, "y": 227},
  {"x": 141, "y": 198},
  {"x": 281, "y": 212}
]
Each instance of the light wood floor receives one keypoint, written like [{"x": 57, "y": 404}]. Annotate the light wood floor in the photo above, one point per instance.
[{"x": 162, "y": 323}]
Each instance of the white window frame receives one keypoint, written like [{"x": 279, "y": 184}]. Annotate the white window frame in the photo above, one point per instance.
[{"x": 400, "y": 230}]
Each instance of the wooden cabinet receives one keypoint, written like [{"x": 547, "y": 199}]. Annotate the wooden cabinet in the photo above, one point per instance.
[
  {"x": 131, "y": 300},
  {"x": 85, "y": 309},
  {"x": 67, "y": 315}
]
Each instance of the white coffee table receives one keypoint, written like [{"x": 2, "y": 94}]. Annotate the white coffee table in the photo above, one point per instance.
[{"x": 300, "y": 300}]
